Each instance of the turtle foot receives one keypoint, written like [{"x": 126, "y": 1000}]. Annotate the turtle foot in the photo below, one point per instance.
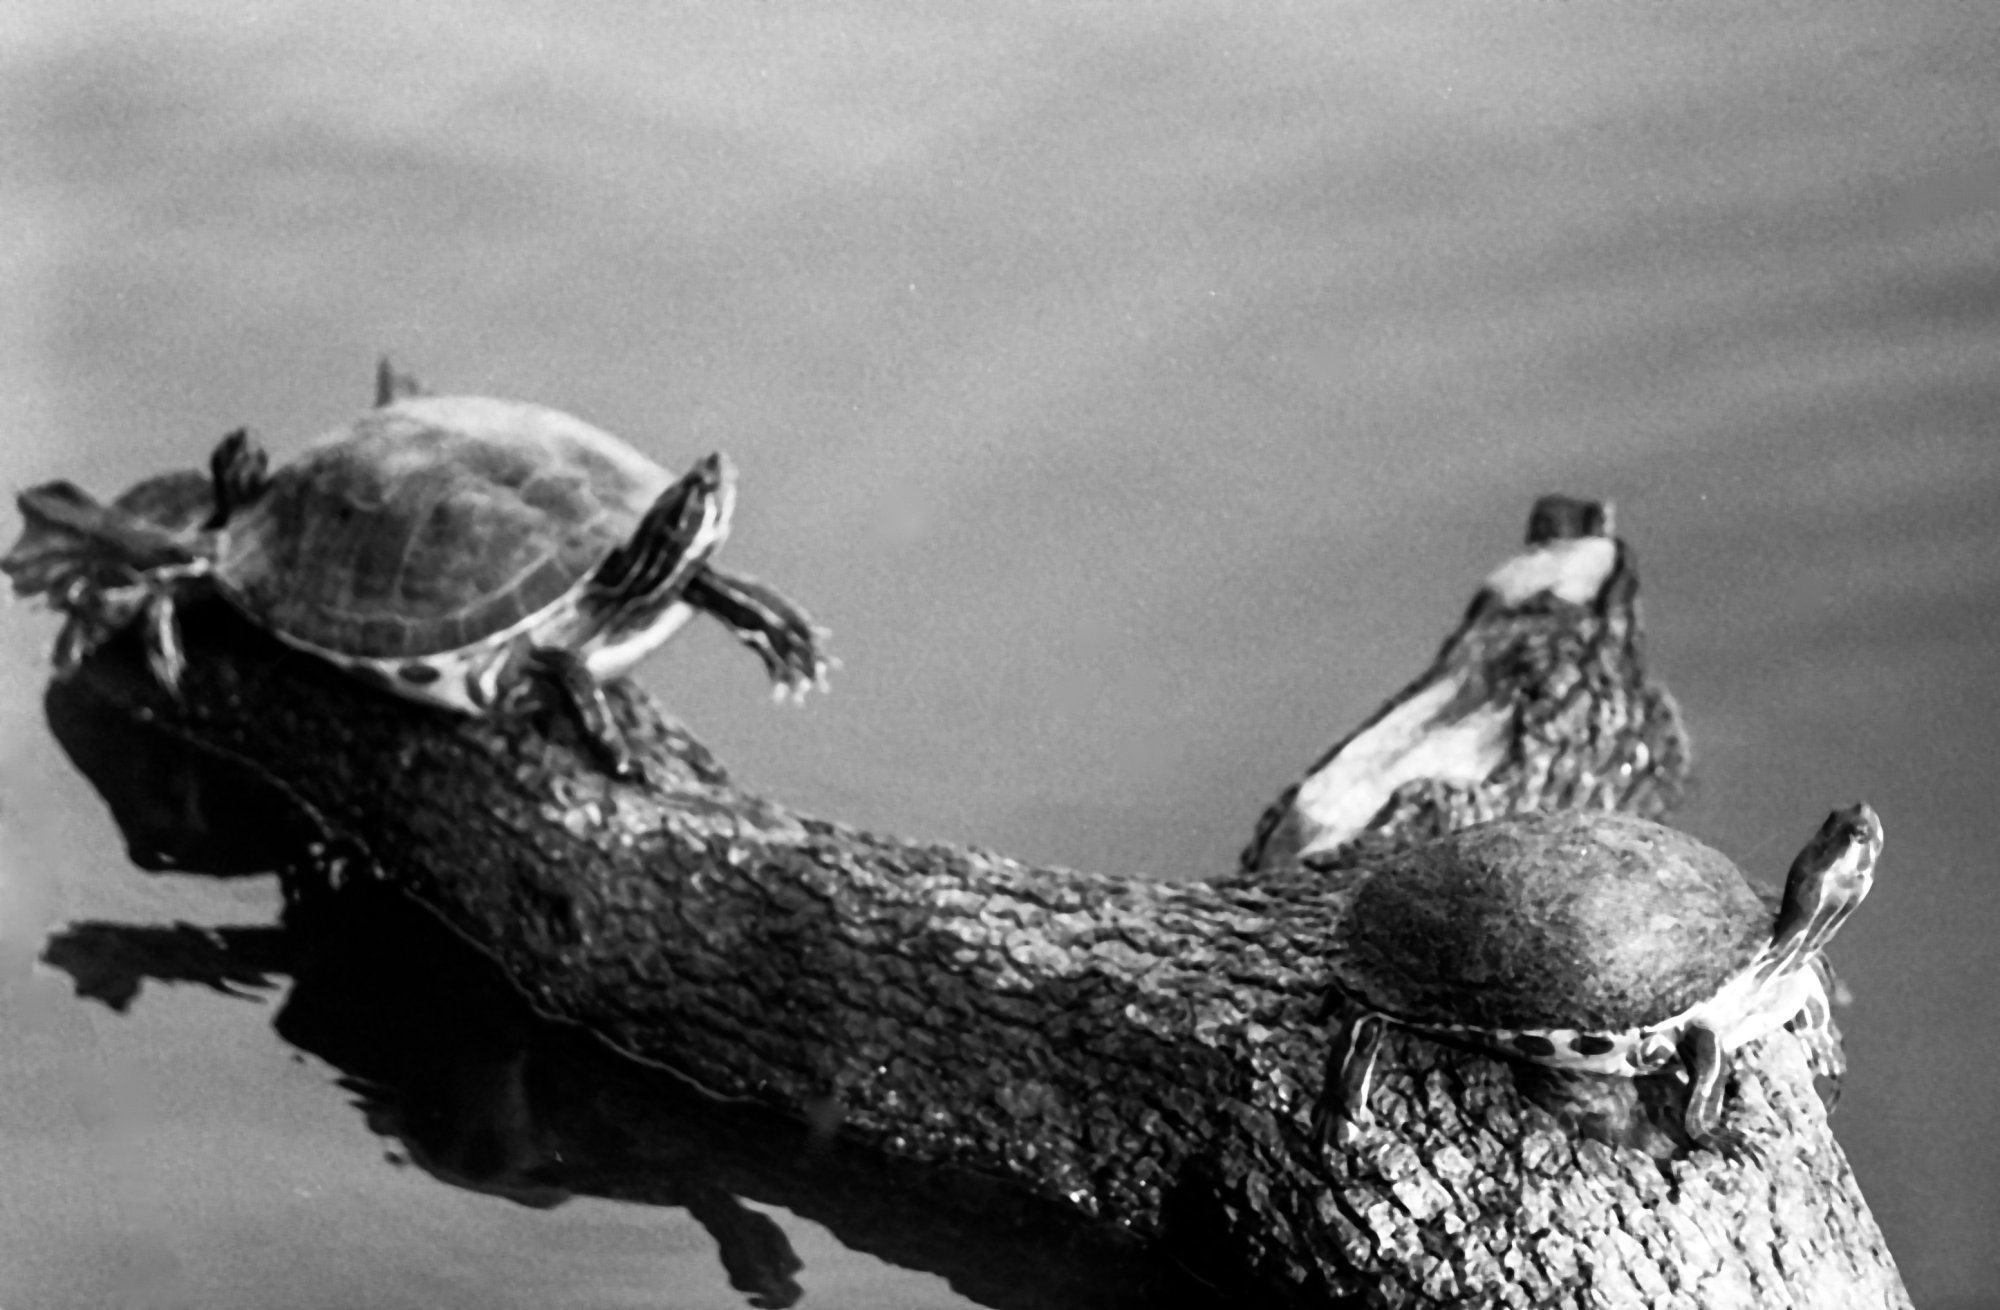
[
  {"x": 1736, "y": 1147},
  {"x": 779, "y": 632}
]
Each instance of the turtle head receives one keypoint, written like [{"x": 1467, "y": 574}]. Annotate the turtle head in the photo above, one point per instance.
[{"x": 1828, "y": 880}]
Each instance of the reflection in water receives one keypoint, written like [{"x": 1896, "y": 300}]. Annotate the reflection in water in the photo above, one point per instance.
[{"x": 445, "y": 1056}]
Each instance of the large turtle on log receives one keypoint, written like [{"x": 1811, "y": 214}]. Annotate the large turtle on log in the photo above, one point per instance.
[
  {"x": 1592, "y": 943},
  {"x": 447, "y": 548}
]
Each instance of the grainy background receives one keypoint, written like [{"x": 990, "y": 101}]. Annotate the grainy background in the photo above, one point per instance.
[{"x": 1136, "y": 390}]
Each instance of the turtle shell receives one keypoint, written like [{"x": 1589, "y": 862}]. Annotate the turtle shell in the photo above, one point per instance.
[
  {"x": 433, "y": 523},
  {"x": 1578, "y": 920}
]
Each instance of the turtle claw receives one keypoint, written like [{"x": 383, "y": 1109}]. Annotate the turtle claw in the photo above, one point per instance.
[
  {"x": 795, "y": 688},
  {"x": 1737, "y": 1147}
]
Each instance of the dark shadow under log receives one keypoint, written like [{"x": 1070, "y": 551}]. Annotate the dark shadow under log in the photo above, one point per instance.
[{"x": 1145, "y": 1055}]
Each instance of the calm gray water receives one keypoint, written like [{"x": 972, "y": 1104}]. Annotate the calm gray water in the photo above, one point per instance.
[{"x": 1137, "y": 391}]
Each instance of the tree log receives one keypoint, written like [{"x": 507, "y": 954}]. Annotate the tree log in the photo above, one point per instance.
[{"x": 1141, "y": 1054}]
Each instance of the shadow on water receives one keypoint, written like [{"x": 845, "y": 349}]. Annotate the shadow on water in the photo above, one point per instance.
[{"x": 446, "y": 1057}]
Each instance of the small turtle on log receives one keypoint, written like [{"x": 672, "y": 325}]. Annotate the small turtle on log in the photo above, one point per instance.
[
  {"x": 1591, "y": 943},
  {"x": 451, "y": 549}
]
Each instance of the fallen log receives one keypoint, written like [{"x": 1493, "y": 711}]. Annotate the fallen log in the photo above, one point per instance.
[{"x": 1139, "y": 1054}]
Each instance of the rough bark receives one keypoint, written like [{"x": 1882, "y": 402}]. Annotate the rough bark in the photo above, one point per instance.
[{"x": 1139, "y": 1053}]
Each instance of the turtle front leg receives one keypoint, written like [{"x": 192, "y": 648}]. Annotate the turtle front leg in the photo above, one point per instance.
[
  {"x": 564, "y": 673},
  {"x": 783, "y": 635},
  {"x": 92, "y": 616},
  {"x": 1815, "y": 1028},
  {"x": 1707, "y": 1067}
]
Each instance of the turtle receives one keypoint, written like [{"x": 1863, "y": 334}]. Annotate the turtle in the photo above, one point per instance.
[
  {"x": 1589, "y": 942},
  {"x": 449, "y": 549}
]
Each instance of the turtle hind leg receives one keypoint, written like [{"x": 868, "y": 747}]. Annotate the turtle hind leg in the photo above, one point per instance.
[
  {"x": 239, "y": 472},
  {"x": 686, "y": 523},
  {"x": 782, "y": 635},
  {"x": 1350, "y": 1071},
  {"x": 564, "y": 673}
]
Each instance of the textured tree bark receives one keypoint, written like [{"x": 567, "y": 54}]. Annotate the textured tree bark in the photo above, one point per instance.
[{"x": 1145, "y": 1054}]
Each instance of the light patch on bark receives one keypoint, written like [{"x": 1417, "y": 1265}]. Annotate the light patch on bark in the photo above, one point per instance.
[
  {"x": 1574, "y": 570},
  {"x": 1411, "y": 742}
]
